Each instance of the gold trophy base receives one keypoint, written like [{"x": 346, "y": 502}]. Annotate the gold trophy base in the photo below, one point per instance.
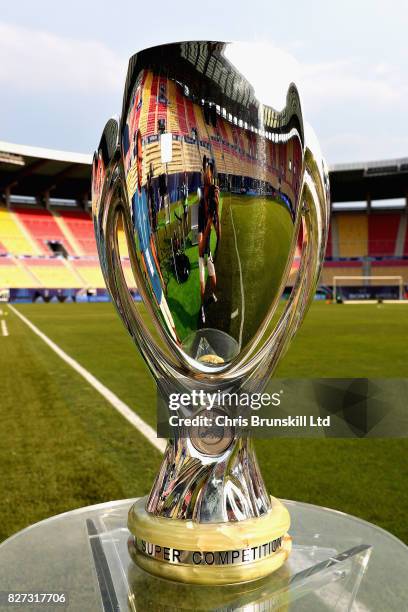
[{"x": 209, "y": 553}]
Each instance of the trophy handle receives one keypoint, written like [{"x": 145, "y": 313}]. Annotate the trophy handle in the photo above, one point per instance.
[
  {"x": 108, "y": 205},
  {"x": 314, "y": 218}
]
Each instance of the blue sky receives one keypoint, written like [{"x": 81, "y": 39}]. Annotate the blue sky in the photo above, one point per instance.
[{"x": 63, "y": 65}]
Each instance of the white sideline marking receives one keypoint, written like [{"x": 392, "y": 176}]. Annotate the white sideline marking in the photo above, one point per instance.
[
  {"x": 241, "y": 281},
  {"x": 4, "y": 329},
  {"x": 145, "y": 429}
]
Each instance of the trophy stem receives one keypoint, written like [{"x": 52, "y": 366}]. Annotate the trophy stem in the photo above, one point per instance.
[
  {"x": 225, "y": 486},
  {"x": 208, "y": 509}
]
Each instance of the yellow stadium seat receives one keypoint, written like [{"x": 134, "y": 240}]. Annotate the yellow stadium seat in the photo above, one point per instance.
[
  {"x": 202, "y": 129},
  {"x": 390, "y": 271},
  {"x": 12, "y": 236},
  {"x": 145, "y": 103},
  {"x": 328, "y": 273},
  {"x": 15, "y": 275},
  {"x": 174, "y": 122},
  {"x": 52, "y": 274},
  {"x": 353, "y": 234},
  {"x": 90, "y": 272}
]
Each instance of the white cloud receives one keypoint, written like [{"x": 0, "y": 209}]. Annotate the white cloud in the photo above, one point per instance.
[
  {"x": 357, "y": 106},
  {"x": 347, "y": 82},
  {"x": 346, "y": 146},
  {"x": 271, "y": 69},
  {"x": 33, "y": 60}
]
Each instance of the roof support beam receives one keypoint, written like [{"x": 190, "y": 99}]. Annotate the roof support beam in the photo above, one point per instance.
[
  {"x": 58, "y": 178},
  {"x": 7, "y": 196},
  {"x": 368, "y": 203},
  {"x": 46, "y": 199},
  {"x": 83, "y": 201}
]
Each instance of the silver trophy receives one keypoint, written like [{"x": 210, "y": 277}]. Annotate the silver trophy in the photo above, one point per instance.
[{"x": 224, "y": 203}]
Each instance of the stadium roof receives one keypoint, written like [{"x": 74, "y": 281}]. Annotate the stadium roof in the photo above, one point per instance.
[
  {"x": 35, "y": 172},
  {"x": 373, "y": 167},
  {"x": 371, "y": 180},
  {"x": 42, "y": 173}
]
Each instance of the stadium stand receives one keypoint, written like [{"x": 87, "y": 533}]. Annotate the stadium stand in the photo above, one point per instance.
[
  {"x": 151, "y": 126},
  {"x": 372, "y": 240},
  {"x": 52, "y": 273},
  {"x": 329, "y": 248},
  {"x": 14, "y": 239},
  {"x": 23, "y": 264},
  {"x": 89, "y": 272},
  {"x": 14, "y": 274},
  {"x": 391, "y": 267},
  {"x": 41, "y": 225},
  {"x": 80, "y": 227},
  {"x": 352, "y": 231},
  {"x": 345, "y": 268},
  {"x": 181, "y": 112},
  {"x": 382, "y": 233}
]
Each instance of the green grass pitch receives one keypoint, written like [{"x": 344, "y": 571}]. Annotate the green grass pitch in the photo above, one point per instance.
[{"x": 63, "y": 446}]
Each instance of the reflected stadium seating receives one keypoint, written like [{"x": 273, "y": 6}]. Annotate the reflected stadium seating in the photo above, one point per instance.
[{"x": 161, "y": 104}]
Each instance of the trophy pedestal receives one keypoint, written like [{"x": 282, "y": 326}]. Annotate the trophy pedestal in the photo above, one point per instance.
[
  {"x": 337, "y": 562},
  {"x": 209, "y": 553}
]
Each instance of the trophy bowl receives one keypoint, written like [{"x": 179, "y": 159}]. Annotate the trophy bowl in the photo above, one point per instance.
[{"x": 224, "y": 203}]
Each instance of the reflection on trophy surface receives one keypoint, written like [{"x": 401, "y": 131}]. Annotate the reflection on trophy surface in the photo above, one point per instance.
[
  {"x": 188, "y": 174},
  {"x": 224, "y": 203}
]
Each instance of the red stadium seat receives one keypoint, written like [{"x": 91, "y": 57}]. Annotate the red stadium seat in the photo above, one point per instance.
[
  {"x": 406, "y": 244},
  {"x": 329, "y": 248},
  {"x": 382, "y": 233},
  {"x": 81, "y": 226},
  {"x": 191, "y": 120},
  {"x": 151, "y": 116},
  {"x": 43, "y": 228},
  {"x": 181, "y": 112}
]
